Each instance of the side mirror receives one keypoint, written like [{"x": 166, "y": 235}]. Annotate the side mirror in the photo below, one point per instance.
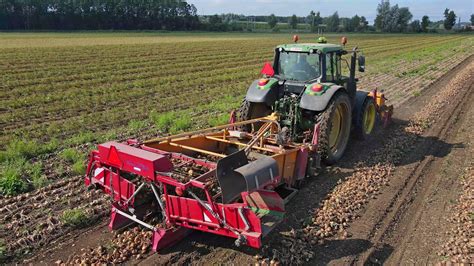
[{"x": 361, "y": 63}]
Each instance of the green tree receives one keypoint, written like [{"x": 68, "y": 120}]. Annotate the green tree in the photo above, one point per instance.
[
  {"x": 363, "y": 23},
  {"x": 472, "y": 20},
  {"x": 293, "y": 22},
  {"x": 425, "y": 22},
  {"x": 318, "y": 19},
  {"x": 272, "y": 21},
  {"x": 404, "y": 17},
  {"x": 216, "y": 24},
  {"x": 383, "y": 15},
  {"x": 310, "y": 18},
  {"x": 449, "y": 19},
  {"x": 333, "y": 22},
  {"x": 392, "y": 18},
  {"x": 415, "y": 26},
  {"x": 355, "y": 23}
]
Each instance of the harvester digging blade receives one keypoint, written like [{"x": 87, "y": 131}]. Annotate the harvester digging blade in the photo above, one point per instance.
[
  {"x": 259, "y": 172},
  {"x": 236, "y": 174},
  {"x": 229, "y": 181}
]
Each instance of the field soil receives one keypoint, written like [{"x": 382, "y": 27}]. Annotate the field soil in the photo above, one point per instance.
[{"x": 403, "y": 220}]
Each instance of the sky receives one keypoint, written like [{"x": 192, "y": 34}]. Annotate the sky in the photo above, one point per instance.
[{"x": 346, "y": 8}]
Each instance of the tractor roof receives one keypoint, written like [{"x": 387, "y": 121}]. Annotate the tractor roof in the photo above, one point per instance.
[{"x": 306, "y": 47}]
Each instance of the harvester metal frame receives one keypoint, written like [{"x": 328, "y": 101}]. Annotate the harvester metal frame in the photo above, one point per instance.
[{"x": 247, "y": 214}]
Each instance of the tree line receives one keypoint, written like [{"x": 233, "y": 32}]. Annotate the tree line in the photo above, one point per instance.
[
  {"x": 390, "y": 18},
  {"x": 332, "y": 23},
  {"x": 179, "y": 15},
  {"x": 97, "y": 14}
]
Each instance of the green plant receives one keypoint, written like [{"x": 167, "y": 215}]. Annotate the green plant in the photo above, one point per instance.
[
  {"x": 219, "y": 120},
  {"x": 39, "y": 182},
  {"x": 109, "y": 135},
  {"x": 35, "y": 172},
  {"x": 18, "y": 148},
  {"x": 222, "y": 105},
  {"x": 416, "y": 93},
  {"x": 27, "y": 149},
  {"x": 14, "y": 173},
  {"x": 11, "y": 178},
  {"x": 163, "y": 121},
  {"x": 50, "y": 146},
  {"x": 59, "y": 170},
  {"x": 180, "y": 124},
  {"x": 81, "y": 138},
  {"x": 79, "y": 168},
  {"x": 71, "y": 155},
  {"x": 75, "y": 158},
  {"x": 76, "y": 218},
  {"x": 136, "y": 125}
]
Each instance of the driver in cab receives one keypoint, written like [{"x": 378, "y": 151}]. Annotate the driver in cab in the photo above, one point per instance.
[{"x": 303, "y": 66}]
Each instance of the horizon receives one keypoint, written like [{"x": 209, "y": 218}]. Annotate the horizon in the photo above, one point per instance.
[{"x": 345, "y": 8}]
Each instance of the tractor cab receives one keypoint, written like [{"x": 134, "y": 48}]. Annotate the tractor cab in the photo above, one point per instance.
[{"x": 308, "y": 63}]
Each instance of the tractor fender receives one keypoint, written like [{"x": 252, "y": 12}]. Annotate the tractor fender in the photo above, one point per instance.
[
  {"x": 359, "y": 103},
  {"x": 267, "y": 94},
  {"x": 319, "y": 102}
]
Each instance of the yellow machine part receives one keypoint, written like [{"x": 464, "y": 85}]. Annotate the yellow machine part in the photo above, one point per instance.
[{"x": 380, "y": 100}]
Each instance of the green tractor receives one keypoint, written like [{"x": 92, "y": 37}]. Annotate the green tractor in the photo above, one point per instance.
[{"x": 306, "y": 87}]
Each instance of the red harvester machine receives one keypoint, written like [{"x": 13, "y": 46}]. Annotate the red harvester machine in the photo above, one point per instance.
[{"x": 219, "y": 180}]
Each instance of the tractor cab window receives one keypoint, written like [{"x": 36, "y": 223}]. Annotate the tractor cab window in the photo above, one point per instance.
[
  {"x": 298, "y": 66},
  {"x": 338, "y": 66},
  {"x": 330, "y": 67}
]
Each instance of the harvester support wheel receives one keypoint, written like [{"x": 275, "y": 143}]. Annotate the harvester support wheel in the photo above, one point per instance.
[
  {"x": 365, "y": 120},
  {"x": 335, "y": 128},
  {"x": 249, "y": 110}
]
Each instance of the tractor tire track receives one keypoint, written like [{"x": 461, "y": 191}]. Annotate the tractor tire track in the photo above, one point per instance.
[{"x": 405, "y": 199}]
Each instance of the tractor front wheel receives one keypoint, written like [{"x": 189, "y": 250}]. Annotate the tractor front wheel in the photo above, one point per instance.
[
  {"x": 335, "y": 128},
  {"x": 366, "y": 118}
]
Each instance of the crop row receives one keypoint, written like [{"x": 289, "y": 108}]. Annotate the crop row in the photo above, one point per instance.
[
  {"x": 112, "y": 85},
  {"x": 84, "y": 82},
  {"x": 110, "y": 58}
]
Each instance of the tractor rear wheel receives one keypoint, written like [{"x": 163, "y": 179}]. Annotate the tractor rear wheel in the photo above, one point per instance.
[
  {"x": 335, "y": 128},
  {"x": 366, "y": 117},
  {"x": 249, "y": 110}
]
